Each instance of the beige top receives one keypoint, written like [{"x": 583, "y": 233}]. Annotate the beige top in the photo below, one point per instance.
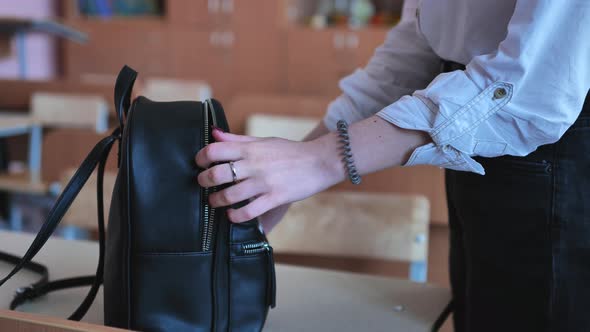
[{"x": 307, "y": 299}]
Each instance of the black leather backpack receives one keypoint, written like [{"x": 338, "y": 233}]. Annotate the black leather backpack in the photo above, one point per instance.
[{"x": 170, "y": 261}]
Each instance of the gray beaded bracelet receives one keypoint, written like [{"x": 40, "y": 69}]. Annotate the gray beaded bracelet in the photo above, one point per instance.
[{"x": 347, "y": 158}]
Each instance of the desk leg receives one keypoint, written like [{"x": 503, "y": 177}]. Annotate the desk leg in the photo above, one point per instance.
[
  {"x": 21, "y": 51},
  {"x": 16, "y": 217},
  {"x": 70, "y": 232},
  {"x": 419, "y": 271},
  {"x": 35, "y": 146}
]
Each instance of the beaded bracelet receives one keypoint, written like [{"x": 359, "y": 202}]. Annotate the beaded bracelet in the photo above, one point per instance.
[{"x": 347, "y": 158}]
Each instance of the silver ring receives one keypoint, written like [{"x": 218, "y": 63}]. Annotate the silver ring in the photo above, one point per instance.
[{"x": 234, "y": 173}]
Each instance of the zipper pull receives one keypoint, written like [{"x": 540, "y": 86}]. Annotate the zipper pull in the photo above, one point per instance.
[{"x": 272, "y": 282}]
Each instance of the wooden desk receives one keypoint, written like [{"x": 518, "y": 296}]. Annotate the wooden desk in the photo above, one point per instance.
[{"x": 307, "y": 299}]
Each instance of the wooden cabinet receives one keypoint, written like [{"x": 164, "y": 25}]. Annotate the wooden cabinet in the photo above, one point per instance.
[
  {"x": 258, "y": 64},
  {"x": 143, "y": 44},
  {"x": 311, "y": 68},
  {"x": 239, "y": 51},
  {"x": 204, "y": 55},
  {"x": 318, "y": 59},
  {"x": 189, "y": 12},
  {"x": 234, "y": 46}
]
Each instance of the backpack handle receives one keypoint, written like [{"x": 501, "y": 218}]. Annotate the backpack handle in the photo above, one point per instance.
[{"x": 123, "y": 89}]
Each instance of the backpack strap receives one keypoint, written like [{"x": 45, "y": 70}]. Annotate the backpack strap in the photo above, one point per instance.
[
  {"x": 96, "y": 157},
  {"x": 123, "y": 89}
]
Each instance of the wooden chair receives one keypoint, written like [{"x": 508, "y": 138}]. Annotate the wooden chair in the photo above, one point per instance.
[
  {"x": 81, "y": 215},
  {"x": 54, "y": 110},
  {"x": 164, "y": 89},
  {"x": 387, "y": 227},
  {"x": 242, "y": 107},
  {"x": 289, "y": 127},
  {"x": 390, "y": 227},
  {"x": 48, "y": 110}
]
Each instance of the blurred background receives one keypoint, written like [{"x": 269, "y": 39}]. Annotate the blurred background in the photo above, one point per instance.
[{"x": 272, "y": 63}]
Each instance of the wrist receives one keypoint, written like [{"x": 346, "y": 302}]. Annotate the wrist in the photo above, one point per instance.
[{"x": 326, "y": 150}]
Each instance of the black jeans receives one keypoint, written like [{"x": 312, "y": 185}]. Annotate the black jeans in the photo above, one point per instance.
[{"x": 520, "y": 239}]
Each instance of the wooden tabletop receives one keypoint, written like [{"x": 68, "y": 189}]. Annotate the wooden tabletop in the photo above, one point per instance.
[
  {"x": 15, "y": 121},
  {"x": 307, "y": 299}
]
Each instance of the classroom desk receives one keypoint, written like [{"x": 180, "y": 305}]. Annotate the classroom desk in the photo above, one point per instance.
[{"x": 307, "y": 299}]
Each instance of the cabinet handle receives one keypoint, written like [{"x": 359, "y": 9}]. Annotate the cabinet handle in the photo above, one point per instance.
[
  {"x": 228, "y": 39},
  {"x": 212, "y": 6},
  {"x": 338, "y": 41},
  {"x": 214, "y": 38},
  {"x": 352, "y": 41},
  {"x": 227, "y": 6}
]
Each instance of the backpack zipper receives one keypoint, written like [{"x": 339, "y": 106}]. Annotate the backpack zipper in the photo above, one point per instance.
[
  {"x": 255, "y": 248},
  {"x": 208, "y": 211},
  {"x": 259, "y": 247},
  {"x": 204, "y": 240}
]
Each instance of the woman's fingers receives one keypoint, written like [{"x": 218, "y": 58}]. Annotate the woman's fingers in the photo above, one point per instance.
[
  {"x": 226, "y": 148},
  {"x": 218, "y": 152},
  {"x": 222, "y": 173},
  {"x": 236, "y": 193},
  {"x": 254, "y": 209},
  {"x": 221, "y": 136}
]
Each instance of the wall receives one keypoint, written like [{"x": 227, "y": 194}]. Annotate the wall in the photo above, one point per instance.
[{"x": 40, "y": 57}]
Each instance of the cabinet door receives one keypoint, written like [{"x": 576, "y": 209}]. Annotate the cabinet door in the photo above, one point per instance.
[
  {"x": 206, "y": 13},
  {"x": 204, "y": 55},
  {"x": 254, "y": 13},
  {"x": 190, "y": 12},
  {"x": 258, "y": 47},
  {"x": 368, "y": 40},
  {"x": 142, "y": 44},
  {"x": 311, "y": 65},
  {"x": 318, "y": 59},
  {"x": 257, "y": 61}
]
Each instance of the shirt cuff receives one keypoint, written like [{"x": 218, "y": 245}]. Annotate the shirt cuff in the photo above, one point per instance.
[
  {"x": 450, "y": 120},
  {"x": 420, "y": 118}
]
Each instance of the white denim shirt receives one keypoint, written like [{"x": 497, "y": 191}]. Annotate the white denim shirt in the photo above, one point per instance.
[{"x": 528, "y": 72}]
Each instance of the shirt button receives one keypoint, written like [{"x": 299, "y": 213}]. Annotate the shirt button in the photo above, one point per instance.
[{"x": 500, "y": 93}]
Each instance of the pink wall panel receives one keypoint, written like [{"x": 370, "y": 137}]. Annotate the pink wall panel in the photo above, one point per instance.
[{"x": 40, "y": 49}]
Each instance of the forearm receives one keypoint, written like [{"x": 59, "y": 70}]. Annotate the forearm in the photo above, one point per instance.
[{"x": 376, "y": 144}]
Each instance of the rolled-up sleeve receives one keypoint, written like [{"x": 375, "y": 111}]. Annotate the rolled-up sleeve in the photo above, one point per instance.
[
  {"x": 402, "y": 65},
  {"x": 525, "y": 94}
]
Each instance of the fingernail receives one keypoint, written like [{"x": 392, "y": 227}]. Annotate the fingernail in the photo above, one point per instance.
[{"x": 218, "y": 129}]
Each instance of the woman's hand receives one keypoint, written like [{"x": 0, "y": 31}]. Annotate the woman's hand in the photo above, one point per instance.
[{"x": 271, "y": 172}]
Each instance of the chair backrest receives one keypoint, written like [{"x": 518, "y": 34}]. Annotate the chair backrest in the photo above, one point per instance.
[
  {"x": 82, "y": 212},
  {"x": 243, "y": 106},
  {"x": 164, "y": 89},
  {"x": 289, "y": 127},
  {"x": 347, "y": 224},
  {"x": 70, "y": 111}
]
